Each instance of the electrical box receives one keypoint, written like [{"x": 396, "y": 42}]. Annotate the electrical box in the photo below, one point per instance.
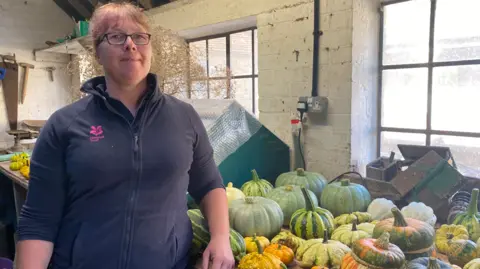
[{"x": 315, "y": 104}]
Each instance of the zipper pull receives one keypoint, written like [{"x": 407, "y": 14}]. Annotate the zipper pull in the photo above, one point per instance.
[{"x": 135, "y": 148}]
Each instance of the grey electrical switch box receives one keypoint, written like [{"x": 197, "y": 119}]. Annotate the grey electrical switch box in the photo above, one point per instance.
[{"x": 315, "y": 104}]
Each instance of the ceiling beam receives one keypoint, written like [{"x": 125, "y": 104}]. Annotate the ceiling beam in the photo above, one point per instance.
[{"x": 147, "y": 4}]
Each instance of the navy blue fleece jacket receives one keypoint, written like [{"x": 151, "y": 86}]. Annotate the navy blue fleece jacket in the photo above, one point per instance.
[{"x": 109, "y": 189}]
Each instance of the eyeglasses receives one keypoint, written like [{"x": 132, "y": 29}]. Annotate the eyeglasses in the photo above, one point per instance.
[{"x": 120, "y": 38}]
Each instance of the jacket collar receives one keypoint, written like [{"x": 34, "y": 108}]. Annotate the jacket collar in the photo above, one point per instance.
[{"x": 97, "y": 86}]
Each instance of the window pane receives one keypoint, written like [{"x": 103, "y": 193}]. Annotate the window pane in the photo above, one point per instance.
[
  {"x": 242, "y": 92},
  {"x": 217, "y": 57},
  {"x": 405, "y": 32},
  {"x": 255, "y": 45},
  {"x": 404, "y": 98},
  {"x": 199, "y": 90},
  {"x": 455, "y": 95},
  {"x": 198, "y": 59},
  {"x": 465, "y": 151},
  {"x": 256, "y": 97},
  {"x": 390, "y": 140},
  {"x": 241, "y": 53},
  {"x": 457, "y": 35},
  {"x": 218, "y": 88}
]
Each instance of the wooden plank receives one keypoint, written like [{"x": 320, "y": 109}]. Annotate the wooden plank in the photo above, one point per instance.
[
  {"x": 15, "y": 176},
  {"x": 51, "y": 57}
]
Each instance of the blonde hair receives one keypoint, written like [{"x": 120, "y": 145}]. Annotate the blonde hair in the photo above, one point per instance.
[{"x": 104, "y": 15}]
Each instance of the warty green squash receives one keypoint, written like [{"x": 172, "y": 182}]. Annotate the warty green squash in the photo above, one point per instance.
[
  {"x": 322, "y": 252},
  {"x": 470, "y": 218},
  {"x": 311, "y": 180},
  {"x": 311, "y": 221},
  {"x": 348, "y": 234},
  {"x": 255, "y": 215},
  {"x": 359, "y": 217},
  {"x": 290, "y": 198},
  {"x": 256, "y": 186},
  {"x": 414, "y": 237},
  {"x": 344, "y": 197}
]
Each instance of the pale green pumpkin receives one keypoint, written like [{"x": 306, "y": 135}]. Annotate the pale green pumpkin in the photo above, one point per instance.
[
  {"x": 313, "y": 181},
  {"x": 344, "y": 197},
  {"x": 290, "y": 198}
]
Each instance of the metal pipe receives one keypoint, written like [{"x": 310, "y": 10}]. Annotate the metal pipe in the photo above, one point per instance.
[{"x": 316, "y": 46}]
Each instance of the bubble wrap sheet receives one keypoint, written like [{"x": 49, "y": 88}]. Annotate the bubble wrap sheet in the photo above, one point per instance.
[{"x": 228, "y": 125}]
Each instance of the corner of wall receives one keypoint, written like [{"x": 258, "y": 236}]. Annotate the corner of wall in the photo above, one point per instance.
[{"x": 365, "y": 51}]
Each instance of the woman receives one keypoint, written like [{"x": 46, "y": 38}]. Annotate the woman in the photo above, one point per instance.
[{"x": 109, "y": 173}]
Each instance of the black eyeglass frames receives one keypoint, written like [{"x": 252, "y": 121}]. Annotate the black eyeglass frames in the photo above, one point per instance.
[{"x": 120, "y": 38}]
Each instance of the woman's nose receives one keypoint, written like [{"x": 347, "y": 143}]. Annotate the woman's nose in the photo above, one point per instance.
[{"x": 129, "y": 44}]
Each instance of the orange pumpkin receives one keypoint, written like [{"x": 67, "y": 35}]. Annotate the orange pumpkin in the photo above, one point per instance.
[
  {"x": 284, "y": 253},
  {"x": 319, "y": 267}
]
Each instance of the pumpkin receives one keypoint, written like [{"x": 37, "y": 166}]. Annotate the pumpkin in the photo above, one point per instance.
[
  {"x": 288, "y": 239},
  {"x": 290, "y": 198},
  {"x": 414, "y": 237},
  {"x": 255, "y": 215},
  {"x": 284, "y": 253},
  {"x": 201, "y": 236},
  {"x": 233, "y": 193},
  {"x": 447, "y": 233},
  {"x": 260, "y": 259},
  {"x": 348, "y": 234},
  {"x": 313, "y": 181},
  {"x": 374, "y": 253},
  {"x": 25, "y": 171},
  {"x": 252, "y": 245},
  {"x": 473, "y": 264},
  {"x": 344, "y": 197},
  {"x": 360, "y": 217},
  {"x": 319, "y": 267},
  {"x": 311, "y": 221},
  {"x": 420, "y": 211},
  {"x": 256, "y": 186},
  {"x": 323, "y": 252},
  {"x": 427, "y": 263},
  {"x": 381, "y": 208},
  {"x": 470, "y": 218},
  {"x": 462, "y": 251}
]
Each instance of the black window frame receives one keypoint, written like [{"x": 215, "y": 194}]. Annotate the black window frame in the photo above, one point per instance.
[
  {"x": 252, "y": 76},
  {"x": 431, "y": 64}
]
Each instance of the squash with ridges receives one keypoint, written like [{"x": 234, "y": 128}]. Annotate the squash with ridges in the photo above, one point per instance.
[
  {"x": 348, "y": 234},
  {"x": 260, "y": 259},
  {"x": 289, "y": 239},
  {"x": 462, "y": 251},
  {"x": 470, "y": 218},
  {"x": 360, "y": 217},
  {"x": 256, "y": 186},
  {"x": 344, "y": 197},
  {"x": 315, "y": 182},
  {"x": 321, "y": 251},
  {"x": 447, "y": 233}
]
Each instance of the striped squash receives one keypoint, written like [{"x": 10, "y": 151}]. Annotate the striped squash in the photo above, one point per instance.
[
  {"x": 312, "y": 221},
  {"x": 201, "y": 236},
  {"x": 257, "y": 186}
]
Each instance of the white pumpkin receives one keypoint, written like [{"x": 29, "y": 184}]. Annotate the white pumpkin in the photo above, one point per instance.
[
  {"x": 233, "y": 193},
  {"x": 420, "y": 211},
  {"x": 381, "y": 209}
]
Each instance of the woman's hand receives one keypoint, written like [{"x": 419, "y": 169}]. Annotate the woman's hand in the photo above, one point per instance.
[{"x": 218, "y": 253}]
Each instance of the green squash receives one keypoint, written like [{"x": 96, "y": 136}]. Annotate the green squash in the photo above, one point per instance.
[
  {"x": 312, "y": 221},
  {"x": 414, "y": 237},
  {"x": 290, "y": 198},
  {"x": 256, "y": 186},
  {"x": 311, "y": 180},
  {"x": 359, "y": 217},
  {"x": 473, "y": 264},
  {"x": 470, "y": 218},
  {"x": 349, "y": 234},
  {"x": 461, "y": 252},
  {"x": 201, "y": 236},
  {"x": 344, "y": 197},
  {"x": 427, "y": 263},
  {"x": 256, "y": 215}
]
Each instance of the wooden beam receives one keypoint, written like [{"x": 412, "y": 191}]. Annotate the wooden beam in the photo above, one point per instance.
[{"x": 147, "y": 4}]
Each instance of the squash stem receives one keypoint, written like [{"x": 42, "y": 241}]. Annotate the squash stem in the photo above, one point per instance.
[
  {"x": 383, "y": 241},
  {"x": 450, "y": 236},
  {"x": 255, "y": 176},
  {"x": 289, "y": 188},
  {"x": 259, "y": 246},
  {"x": 230, "y": 185},
  {"x": 432, "y": 263},
  {"x": 354, "y": 224},
  {"x": 325, "y": 236},
  {"x": 309, "y": 205},
  {"x": 399, "y": 220},
  {"x": 345, "y": 182},
  {"x": 300, "y": 172},
  {"x": 472, "y": 206}
]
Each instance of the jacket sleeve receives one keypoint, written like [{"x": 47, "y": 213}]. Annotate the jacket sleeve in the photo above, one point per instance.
[
  {"x": 42, "y": 212},
  {"x": 204, "y": 174}
]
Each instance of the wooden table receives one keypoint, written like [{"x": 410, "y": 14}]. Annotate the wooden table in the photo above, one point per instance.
[{"x": 20, "y": 185}]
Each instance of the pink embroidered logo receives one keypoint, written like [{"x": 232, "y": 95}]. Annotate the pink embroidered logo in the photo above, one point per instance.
[{"x": 96, "y": 133}]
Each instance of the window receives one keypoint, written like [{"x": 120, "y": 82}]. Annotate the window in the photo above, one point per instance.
[
  {"x": 225, "y": 67},
  {"x": 430, "y": 77}
]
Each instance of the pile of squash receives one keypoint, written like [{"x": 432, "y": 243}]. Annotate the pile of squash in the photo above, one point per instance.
[
  {"x": 21, "y": 162},
  {"x": 302, "y": 220}
]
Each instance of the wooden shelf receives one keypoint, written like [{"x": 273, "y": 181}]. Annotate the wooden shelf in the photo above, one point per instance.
[{"x": 75, "y": 46}]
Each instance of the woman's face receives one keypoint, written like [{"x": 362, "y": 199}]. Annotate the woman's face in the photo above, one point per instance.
[{"x": 126, "y": 63}]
